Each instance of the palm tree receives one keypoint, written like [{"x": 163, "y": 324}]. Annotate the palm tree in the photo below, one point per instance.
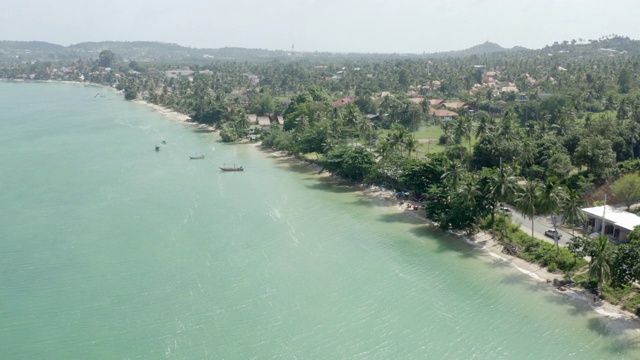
[
  {"x": 468, "y": 130},
  {"x": 365, "y": 127},
  {"x": 470, "y": 188},
  {"x": 449, "y": 134},
  {"x": 460, "y": 129},
  {"x": 454, "y": 175},
  {"x": 328, "y": 144},
  {"x": 485, "y": 124},
  {"x": 508, "y": 130},
  {"x": 384, "y": 149},
  {"x": 550, "y": 201},
  {"x": 527, "y": 201},
  {"x": 503, "y": 184},
  {"x": 573, "y": 214},
  {"x": 633, "y": 131},
  {"x": 601, "y": 258},
  {"x": 410, "y": 144},
  {"x": 397, "y": 137}
]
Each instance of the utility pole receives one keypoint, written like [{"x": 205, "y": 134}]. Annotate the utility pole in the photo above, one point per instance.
[{"x": 604, "y": 210}]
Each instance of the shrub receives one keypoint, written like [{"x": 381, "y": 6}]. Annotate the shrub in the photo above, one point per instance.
[{"x": 633, "y": 304}]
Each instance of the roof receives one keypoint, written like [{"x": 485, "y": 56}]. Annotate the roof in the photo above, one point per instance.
[
  {"x": 253, "y": 118},
  {"x": 264, "y": 121},
  {"x": 442, "y": 113},
  {"x": 416, "y": 100},
  {"x": 509, "y": 89},
  {"x": 619, "y": 218},
  {"x": 344, "y": 100},
  {"x": 435, "y": 101},
  {"x": 456, "y": 104}
]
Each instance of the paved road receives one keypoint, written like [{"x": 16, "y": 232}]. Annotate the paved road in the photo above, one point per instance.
[{"x": 540, "y": 224}]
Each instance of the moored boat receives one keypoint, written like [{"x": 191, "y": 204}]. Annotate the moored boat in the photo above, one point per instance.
[
  {"x": 196, "y": 157},
  {"x": 232, "y": 168}
]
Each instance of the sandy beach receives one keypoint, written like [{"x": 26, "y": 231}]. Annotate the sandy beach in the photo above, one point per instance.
[{"x": 484, "y": 241}]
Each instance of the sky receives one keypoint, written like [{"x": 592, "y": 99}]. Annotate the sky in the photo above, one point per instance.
[{"x": 358, "y": 26}]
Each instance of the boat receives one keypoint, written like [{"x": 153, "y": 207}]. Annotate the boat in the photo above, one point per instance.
[
  {"x": 196, "y": 157},
  {"x": 157, "y": 148},
  {"x": 232, "y": 168}
]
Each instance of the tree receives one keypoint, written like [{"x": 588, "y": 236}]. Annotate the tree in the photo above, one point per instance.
[
  {"x": 353, "y": 163},
  {"x": 601, "y": 259},
  {"x": 626, "y": 264},
  {"x": 410, "y": 145},
  {"x": 559, "y": 164},
  {"x": 106, "y": 58},
  {"x": 365, "y": 128},
  {"x": 625, "y": 80},
  {"x": 263, "y": 104},
  {"x": 572, "y": 209},
  {"x": 453, "y": 175},
  {"x": 550, "y": 201},
  {"x": 595, "y": 151},
  {"x": 627, "y": 189},
  {"x": 527, "y": 201},
  {"x": 485, "y": 124},
  {"x": 366, "y": 104},
  {"x": 502, "y": 186}
]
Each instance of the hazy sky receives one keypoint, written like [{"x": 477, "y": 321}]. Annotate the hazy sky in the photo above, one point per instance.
[{"x": 402, "y": 26}]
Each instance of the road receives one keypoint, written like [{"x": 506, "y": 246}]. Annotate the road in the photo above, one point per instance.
[{"x": 540, "y": 224}]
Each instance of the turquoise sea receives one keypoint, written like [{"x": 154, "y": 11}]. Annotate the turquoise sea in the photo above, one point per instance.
[{"x": 111, "y": 250}]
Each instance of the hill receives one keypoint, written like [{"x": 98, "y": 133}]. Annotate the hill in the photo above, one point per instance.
[{"x": 149, "y": 51}]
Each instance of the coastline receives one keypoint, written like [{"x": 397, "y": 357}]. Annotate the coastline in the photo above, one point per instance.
[
  {"x": 484, "y": 241},
  {"x": 621, "y": 320},
  {"x": 174, "y": 115}
]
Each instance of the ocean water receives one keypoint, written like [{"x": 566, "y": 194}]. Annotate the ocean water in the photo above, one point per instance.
[{"x": 111, "y": 250}]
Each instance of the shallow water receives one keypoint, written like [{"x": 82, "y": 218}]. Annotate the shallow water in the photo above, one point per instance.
[{"x": 109, "y": 249}]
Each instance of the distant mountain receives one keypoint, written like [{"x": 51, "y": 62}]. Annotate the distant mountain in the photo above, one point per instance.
[
  {"x": 482, "y": 49},
  {"x": 486, "y": 48},
  {"x": 150, "y": 51},
  {"x": 29, "y": 46}
]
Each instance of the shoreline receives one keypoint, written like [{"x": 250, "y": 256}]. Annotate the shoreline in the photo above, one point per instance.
[
  {"x": 482, "y": 241},
  {"x": 174, "y": 115},
  {"x": 485, "y": 242}
]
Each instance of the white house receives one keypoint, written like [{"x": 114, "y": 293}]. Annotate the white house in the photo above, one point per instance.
[{"x": 617, "y": 223}]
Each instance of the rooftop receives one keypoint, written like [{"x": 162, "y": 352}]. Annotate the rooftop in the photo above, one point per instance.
[{"x": 619, "y": 218}]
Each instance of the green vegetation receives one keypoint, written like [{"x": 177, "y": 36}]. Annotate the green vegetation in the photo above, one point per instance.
[{"x": 519, "y": 244}]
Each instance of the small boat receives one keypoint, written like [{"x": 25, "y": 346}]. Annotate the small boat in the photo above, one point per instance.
[
  {"x": 164, "y": 141},
  {"x": 232, "y": 168},
  {"x": 196, "y": 157},
  {"x": 157, "y": 148}
]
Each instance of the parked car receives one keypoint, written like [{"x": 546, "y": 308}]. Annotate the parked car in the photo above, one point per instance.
[
  {"x": 553, "y": 234},
  {"x": 505, "y": 209}
]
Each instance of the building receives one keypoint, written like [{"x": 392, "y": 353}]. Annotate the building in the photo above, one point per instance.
[
  {"x": 443, "y": 114},
  {"x": 174, "y": 74},
  {"x": 344, "y": 100},
  {"x": 617, "y": 223},
  {"x": 264, "y": 122},
  {"x": 456, "y": 105},
  {"x": 436, "y": 102}
]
